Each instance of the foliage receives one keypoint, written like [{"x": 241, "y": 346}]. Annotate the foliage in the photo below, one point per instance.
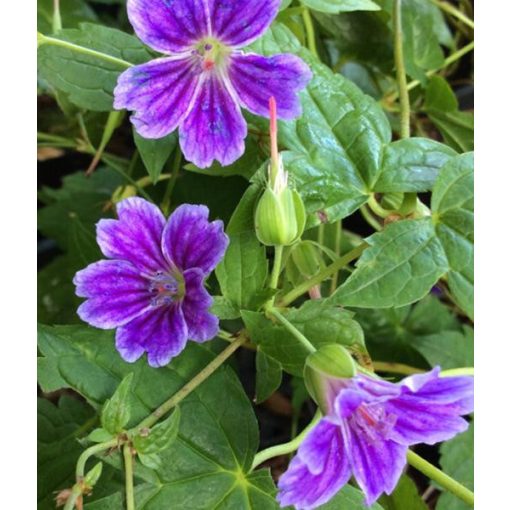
[{"x": 389, "y": 220}]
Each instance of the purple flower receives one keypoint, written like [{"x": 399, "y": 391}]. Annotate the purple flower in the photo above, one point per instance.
[
  {"x": 205, "y": 77},
  {"x": 152, "y": 289},
  {"x": 366, "y": 432}
]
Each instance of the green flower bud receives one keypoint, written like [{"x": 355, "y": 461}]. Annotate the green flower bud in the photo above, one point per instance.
[
  {"x": 323, "y": 371},
  {"x": 280, "y": 216},
  {"x": 93, "y": 475}
]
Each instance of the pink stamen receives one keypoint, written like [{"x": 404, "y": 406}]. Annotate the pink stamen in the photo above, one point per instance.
[
  {"x": 208, "y": 64},
  {"x": 273, "y": 131}
]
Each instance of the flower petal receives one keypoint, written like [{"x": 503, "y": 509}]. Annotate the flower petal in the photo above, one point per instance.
[
  {"x": 215, "y": 127},
  {"x": 161, "y": 332},
  {"x": 117, "y": 293},
  {"x": 433, "y": 412},
  {"x": 240, "y": 22},
  {"x": 202, "y": 325},
  {"x": 191, "y": 241},
  {"x": 168, "y": 25},
  {"x": 135, "y": 236},
  {"x": 318, "y": 471},
  {"x": 256, "y": 79},
  {"x": 160, "y": 92},
  {"x": 376, "y": 463}
]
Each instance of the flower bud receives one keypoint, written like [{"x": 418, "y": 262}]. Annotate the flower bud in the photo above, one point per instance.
[
  {"x": 280, "y": 215},
  {"x": 93, "y": 475},
  {"x": 324, "y": 371}
]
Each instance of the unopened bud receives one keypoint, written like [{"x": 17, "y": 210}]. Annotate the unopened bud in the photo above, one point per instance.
[
  {"x": 324, "y": 371},
  {"x": 93, "y": 475}
]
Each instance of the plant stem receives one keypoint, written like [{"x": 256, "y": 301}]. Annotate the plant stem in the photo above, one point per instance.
[
  {"x": 73, "y": 497},
  {"x": 44, "y": 39},
  {"x": 377, "y": 208},
  {"x": 128, "y": 469},
  {"x": 447, "y": 61},
  {"x": 452, "y": 372},
  {"x": 304, "y": 287},
  {"x": 405, "y": 107},
  {"x": 165, "y": 204},
  {"x": 57, "y": 19},
  {"x": 441, "y": 478},
  {"x": 367, "y": 215},
  {"x": 310, "y": 32},
  {"x": 450, "y": 9},
  {"x": 283, "y": 449},
  {"x": 89, "y": 452},
  {"x": 191, "y": 385},
  {"x": 396, "y": 368},
  {"x": 292, "y": 329},
  {"x": 275, "y": 273},
  {"x": 338, "y": 241}
]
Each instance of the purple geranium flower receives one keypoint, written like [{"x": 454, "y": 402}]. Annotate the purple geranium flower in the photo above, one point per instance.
[
  {"x": 153, "y": 288},
  {"x": 367, "y": 430},
  {"x": 205, "y": 77}
]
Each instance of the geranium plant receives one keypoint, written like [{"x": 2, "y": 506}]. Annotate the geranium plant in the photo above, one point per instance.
[{"x": 256, "y": 283}]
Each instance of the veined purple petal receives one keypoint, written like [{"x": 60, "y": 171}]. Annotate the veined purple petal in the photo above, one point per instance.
[
  {"x": 191, "y": 241},
  {"x": 318, "y": 471},
  {"x": 168, "y": 26},
  {"x": 431, "y": 412},
  {"x": 161, "y": 332},
  {"x": 256, "y": 79},
  {"x": 376, "y": 463},
  {"x": 202, "y": 325},
  {"x": 160, "y": 92},
  {"x": 215, "y": 127},
  {"x": 240, "y": 22},
  {"x": 135, "y": 236}
]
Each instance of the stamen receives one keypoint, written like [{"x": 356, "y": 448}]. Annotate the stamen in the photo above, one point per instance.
[
  {"x": 208, "y": 64},
  {"x": 165, "y": 289}
]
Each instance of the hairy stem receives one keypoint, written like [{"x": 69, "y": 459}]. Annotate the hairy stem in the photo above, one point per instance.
[
  {"x": 405, "y": 107},
  {"x": 89, "y": 452},
  {"x": 304, "y": 287},
  {"x": 338, "y": 242},
  {"x": 128, "y": 470},
  {"x": 44, "y": 39},
  {"x": 310, "y": 32},
  {"x": 396, "y": 368},
  {"x": 73, "y": 497},
  {"x": 450, "y": 9},
  {"x": 292, "y": 329},
  {"x": 367, "y": 215},
  {"x": 275, "y": 274},
  {"x": 285, "y": 448},
  {"x": 448, "y": 61},
  {"x": 441, "y": 478},
  {"x": 191, "y": 385},
  {"x": 57, "y": 19}
]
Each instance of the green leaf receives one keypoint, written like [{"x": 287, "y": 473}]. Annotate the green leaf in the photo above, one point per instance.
[
  {"x": 404, "y": 497},
  {"x": 457, "y": 128},
  {"x": 269, "y": 376},
  {"x": 412, "y": 165},
  {"x": 160, "y": 437},
  {"x": 117, "y": 410},
  {"x": 321, "y": 323},
  {"x": 72, "y": 12},
  {"x": 449, "y": 349},
  {"x": 440, "y": 96},
  {"x": 208, "y": 464},
  {"x": 100, "y": 435},
  {"x": 349, "y": 498},
  {"x": 155, "y": 153},
  {"x": 89, "y": 80},
  {"x": 401, "y": 265},
  {"x": 457, "y": 460},
  {"x": 58, "y": 427},
  {"x": 452, "y": 208},
  {"x": 422, "y": 48},
  {"x": 224, "y": 309},
  {"x": 243, "y": 271},
  {"x": 442, "y": 107},
  {"x": 336, "y": 146},
  {"x": 336, "y": 6}
]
